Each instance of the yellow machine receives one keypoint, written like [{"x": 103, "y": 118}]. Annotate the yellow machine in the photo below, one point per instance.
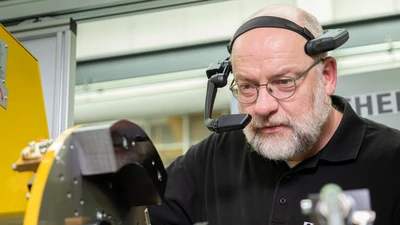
[
  {"x": 23, "y": 119},
  {"x": 90, "y": 174}
]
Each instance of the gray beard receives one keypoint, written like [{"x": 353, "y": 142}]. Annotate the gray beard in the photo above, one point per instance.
[{"x": 305, "y": 130}]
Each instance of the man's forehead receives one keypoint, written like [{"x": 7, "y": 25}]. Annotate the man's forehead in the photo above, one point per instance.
[
  {"x": 269, "y": 68},
  {"x": 265, "y": 42}
]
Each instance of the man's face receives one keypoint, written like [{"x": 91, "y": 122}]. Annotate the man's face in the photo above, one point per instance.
[{"x": 281, "y": 129}]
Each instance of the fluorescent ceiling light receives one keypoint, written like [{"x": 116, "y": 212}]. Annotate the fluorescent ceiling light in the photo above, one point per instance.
[{"x": 367, "y": 58}]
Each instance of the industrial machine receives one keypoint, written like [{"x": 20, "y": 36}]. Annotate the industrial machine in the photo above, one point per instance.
[
  {"x": 90, "y": 174},
  {"x": 333, "y": 206}
]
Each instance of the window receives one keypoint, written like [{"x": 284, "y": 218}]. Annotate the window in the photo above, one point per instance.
[{"x": 172, "y": 136}]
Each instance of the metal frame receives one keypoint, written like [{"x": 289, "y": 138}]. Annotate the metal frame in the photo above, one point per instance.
[
  {"x": 60, "y": 117},
  {"x": 13, "y": 13},
  {"x": 3, "y": 69}
]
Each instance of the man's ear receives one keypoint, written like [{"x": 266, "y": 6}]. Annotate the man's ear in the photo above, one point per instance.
[{"x": 330, "y": 75}]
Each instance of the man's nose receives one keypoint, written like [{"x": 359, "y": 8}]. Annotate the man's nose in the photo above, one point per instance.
[{"x": 265, "y": 103}]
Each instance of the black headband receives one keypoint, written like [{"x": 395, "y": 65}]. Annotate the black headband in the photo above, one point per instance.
[{"x": 270, "y": 21}]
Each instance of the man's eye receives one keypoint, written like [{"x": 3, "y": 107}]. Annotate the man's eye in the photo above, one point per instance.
[
  {"x": 245, "y": 86},
  {"x": 283, "y": 82}
]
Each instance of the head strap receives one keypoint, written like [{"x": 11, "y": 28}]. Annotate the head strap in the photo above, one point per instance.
[{"x": 270, "y": 21}]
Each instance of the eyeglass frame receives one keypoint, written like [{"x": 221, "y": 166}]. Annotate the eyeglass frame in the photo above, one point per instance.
[{"x": 257, "y": 87}]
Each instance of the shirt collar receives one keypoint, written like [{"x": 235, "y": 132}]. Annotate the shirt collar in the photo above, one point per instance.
[{"x": 347, "y": 139}]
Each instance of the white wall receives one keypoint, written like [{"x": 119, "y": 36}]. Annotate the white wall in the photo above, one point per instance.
[
  {"x": 203, "y": 24},
  {"x": 164, "y": 29},
  {"x": 183, "y": 27}
]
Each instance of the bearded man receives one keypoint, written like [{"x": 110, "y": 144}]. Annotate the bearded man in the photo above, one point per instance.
[{"x": 301, "y": 137}]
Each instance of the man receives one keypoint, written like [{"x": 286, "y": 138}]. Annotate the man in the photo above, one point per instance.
[{"x": 301, "y": 137}]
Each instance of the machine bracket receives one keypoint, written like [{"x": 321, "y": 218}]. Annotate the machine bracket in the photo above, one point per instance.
[{"x": 3, "y": 64}]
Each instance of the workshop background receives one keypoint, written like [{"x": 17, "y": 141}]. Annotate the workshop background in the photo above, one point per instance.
[{"x": 145, "y": 61}]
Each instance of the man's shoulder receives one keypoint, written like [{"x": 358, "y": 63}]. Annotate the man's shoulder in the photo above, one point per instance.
[
  {"x": 376, "y": 129},
  {"x": 373, "y": 133},
  {"x": 215, "y": 149},
  {"x": 381, "y": 137},
  {"x": 226, "y": 141}
]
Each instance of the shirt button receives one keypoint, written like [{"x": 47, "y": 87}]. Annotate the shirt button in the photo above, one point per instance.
[
  {"x": 282, "y": 201},
  {"x": 288, "y": 176}
]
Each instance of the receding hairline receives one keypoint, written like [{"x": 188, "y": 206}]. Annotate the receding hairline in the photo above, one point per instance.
[{"x": 292, "y": 13}]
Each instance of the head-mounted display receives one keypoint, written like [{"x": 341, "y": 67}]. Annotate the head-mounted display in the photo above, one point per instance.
[{"x": 218, "y": 74}]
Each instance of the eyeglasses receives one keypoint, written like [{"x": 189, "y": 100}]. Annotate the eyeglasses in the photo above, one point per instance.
[{"x": 281, "y": 87}]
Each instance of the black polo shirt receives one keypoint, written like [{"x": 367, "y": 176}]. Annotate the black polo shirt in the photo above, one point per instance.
[{"x": 222, "y": 181}]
